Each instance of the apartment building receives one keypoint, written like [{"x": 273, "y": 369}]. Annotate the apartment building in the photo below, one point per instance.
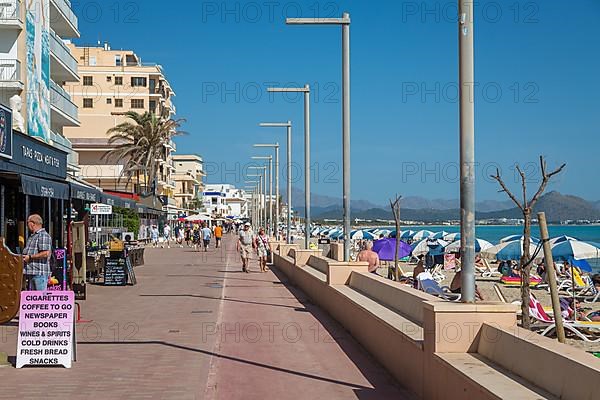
[
  {"x": 112, "y": 83},
  {"x": 224, "y": 200},
  {"x": 35, "y": 30},
  {"x": 188, "y": 176}
]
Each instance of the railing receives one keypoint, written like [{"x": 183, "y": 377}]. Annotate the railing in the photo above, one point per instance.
[
  {"x": 10, "y": 10},
  {"x": 63, "y": 53},
  {"x": 10, "y": 70},
  {"x": 62, "y": 100},
  {"x": 65, "y": 8}
]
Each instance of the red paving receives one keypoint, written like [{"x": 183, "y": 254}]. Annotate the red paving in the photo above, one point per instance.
[{"x": 179, "y": 335}]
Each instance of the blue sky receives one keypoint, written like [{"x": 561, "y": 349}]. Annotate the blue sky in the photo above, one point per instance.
[{"x": 536, "y": 63}]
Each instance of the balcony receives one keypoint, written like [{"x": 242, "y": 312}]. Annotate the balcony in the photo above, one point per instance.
[
  {"x": 63, "y": 65},
  {"x": 10, "y": 14},
  {"x": 62, "y": 19},
  {"x": 64, "y": 111},
  {"x": 10, "y": 74}
]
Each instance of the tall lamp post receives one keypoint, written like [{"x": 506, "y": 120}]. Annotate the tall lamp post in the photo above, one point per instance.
[
  {"x": 253, "y": 200},
  {"x": 306, "y": 91},
  {"x": 287, "y": 125},
  {"x": 276, "y": 146},
  {"x": 262, "y": 190},
  {"x": 345, "y": 23},
  {"x": 270, "y": 214},
  {"x": 467, "y": 149}
]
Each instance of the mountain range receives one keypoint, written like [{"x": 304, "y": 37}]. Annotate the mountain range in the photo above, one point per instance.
[{"x": 558, "y": 207}]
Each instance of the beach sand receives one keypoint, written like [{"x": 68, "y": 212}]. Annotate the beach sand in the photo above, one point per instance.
[{"x": 486, "y": 287}]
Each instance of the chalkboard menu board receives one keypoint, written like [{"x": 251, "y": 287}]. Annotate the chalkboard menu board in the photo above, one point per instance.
[{"x": 115, "y": 271}]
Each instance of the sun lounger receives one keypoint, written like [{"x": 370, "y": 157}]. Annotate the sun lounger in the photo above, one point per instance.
[
  {"x": 487, "y": 271},
  {"x": 430, "y": 286},
  {"x": 588, "y": 331},
  {"x": 516, "y": 281}
]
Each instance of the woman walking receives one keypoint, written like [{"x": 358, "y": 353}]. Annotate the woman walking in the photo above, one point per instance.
[{"x": 263, "y": 249}]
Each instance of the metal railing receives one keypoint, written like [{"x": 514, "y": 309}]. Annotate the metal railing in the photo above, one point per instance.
[
  {"x": 10, "y": 70},
  {"x": 10, "y": 10},
  {"x": 63, "y": 53},
  {"x": 65, "y": 8},
  {"x": 60, "y": 99}
]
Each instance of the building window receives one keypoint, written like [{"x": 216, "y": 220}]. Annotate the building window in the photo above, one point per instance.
[
  {"x": 139, "y": 81},
  {"x": 88, "y": 81},
  {"x": 88, "y": 103},
  {"x": 109, "y": 79},
  {"x": 152, "y": 106},
  {"x": 118, "y": 60},
  {"x": 137, "y": 103},
  {"x": 119, "y": 103},
  {"x": 119, "y": 80},
  {"x": 109, "y": 101},
  {"x": 93, "y": 61}
]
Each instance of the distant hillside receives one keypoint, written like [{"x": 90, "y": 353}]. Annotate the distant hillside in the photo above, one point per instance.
[
  {"x": 557, "y": 207},
  {"x": 597, "y": 205}
]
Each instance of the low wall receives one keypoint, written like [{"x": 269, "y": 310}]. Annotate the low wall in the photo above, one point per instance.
[{"x": 427, "y": 343}]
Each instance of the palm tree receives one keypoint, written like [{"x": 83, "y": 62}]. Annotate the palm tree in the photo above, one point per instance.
[{"x": 139, "y": 142}]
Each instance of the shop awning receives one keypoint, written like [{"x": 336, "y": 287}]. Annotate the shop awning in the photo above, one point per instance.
[
  {"x": 44, "y": 188},
  {"x": 85, "y": 193},
  {"x": 111, "y": 200}
]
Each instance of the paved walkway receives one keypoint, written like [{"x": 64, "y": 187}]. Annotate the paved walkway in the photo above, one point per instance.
[{"x": 196, "y": 327}]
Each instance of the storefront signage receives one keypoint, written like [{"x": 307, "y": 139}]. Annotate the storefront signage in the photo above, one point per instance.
[
  {"x": 45, "y": 329},
  {"x": 86, "y": 194},
  {"x": 6, "y": 133},
  {"x": 33, "y": 157},
  {"x": 115, "y": 271},
  {"x": 101, "y": 209},
  {"x": 44, "y": 188}
]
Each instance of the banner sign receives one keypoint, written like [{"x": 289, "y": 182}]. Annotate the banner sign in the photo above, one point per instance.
[
  {"x": 6, "y": 132},
  {"x": 46, "y": 329},
  {"x": 101, "y": 209}
]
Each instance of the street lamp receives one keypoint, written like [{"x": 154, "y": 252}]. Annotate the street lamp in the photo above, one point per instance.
[
  {"x": 287, "y": 125},
  {"x": 263, "y": 190},
  {"x": 345, "y": 23},
  {"x": 306, "y": 91},
  {"x": 270, "y": 159},
  {"x": 253, "y": 199},
  {"x": 276, "y": 146}
]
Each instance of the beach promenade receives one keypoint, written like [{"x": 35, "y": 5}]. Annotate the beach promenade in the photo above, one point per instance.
[{"x": 195, "y": 327}]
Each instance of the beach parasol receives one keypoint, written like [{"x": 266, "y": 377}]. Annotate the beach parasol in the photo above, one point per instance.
[
  {"x": 439, "y": 235},
  {"x": 575, "y": 250},
  {"x": 560, "y": 239},
  {"x": 361, "y": 234},
  {"x": 512, "y": 238},
  {"x": 385, "y": 249},
  {"x": 509, "y": 250},
  {"x": 429, "y": 246},
  {"x": 480, "y": 245},
  {"x": 452, "y": 237},
  {"x": 420, "y": 235}
]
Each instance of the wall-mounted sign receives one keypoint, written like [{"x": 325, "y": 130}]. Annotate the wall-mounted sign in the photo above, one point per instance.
[
  {"x": 101, "y": 209},
  {"x": 36, "y": 158},
  {"x": 6, "y": 132},
  {"x": 44, "y": 188}
]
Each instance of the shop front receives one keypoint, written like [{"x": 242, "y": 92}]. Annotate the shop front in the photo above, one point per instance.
[{"x": 32, "y": 181}]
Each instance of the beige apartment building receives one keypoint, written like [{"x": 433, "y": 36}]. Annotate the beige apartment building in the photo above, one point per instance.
[
  {"x": 188, "y": 176},
  {"x": 112, "y": 83}
]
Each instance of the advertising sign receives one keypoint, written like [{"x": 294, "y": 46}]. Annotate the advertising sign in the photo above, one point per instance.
[
  {"x": 100, "y": 209},
  {"x": 46, "y": 329},
  {"x": 38, "y": 68},
  {"x": 6, "y": 133}
]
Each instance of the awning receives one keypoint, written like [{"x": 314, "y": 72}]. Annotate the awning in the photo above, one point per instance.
[
  {"x": 84, "y": 193},
  {"x": 141, "y": 209},
  {"x": 111, "y": 200},
  {"x": 44, "y": 188}
]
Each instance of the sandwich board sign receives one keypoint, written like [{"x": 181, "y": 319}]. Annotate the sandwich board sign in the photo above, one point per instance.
[{"x": 101, "y": 209}]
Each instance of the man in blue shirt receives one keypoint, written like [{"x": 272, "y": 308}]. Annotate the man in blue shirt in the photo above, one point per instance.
[
  {"x": 36, "y": 254},
  {"x": 206, "y": 235}
]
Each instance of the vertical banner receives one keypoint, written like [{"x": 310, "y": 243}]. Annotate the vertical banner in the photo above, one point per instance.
[
  {"x": 46, "y": 329},
  {"x": 38, "y": 68},
  {"x": 6, "y": 133}
]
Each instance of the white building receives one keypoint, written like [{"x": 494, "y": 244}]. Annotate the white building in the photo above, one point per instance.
[{"x": 224, "y": 200}]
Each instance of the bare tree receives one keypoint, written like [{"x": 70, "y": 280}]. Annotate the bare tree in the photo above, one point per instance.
[
  {"x": 395, "y": 205},
  {"x": 526, "y": 207}
]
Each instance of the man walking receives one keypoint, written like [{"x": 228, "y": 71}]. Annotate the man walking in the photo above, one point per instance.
[
  {"x": 218, "y": 235},
  {"x": 36, "y": 254},
  {"x": 206, "y": 234},
  {"x": 244, "y": 246},
  {"x": 167, "y": 236}
]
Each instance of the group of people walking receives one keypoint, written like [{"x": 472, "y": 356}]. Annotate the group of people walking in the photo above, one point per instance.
[
  {"x": 196, "y": 236},
  {"x": 247, "y": 242}
]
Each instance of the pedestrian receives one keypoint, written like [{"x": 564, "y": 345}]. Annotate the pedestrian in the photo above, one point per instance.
[
  {"x": 188, "y": 235},
  {"x": 244, "y": 246},
  {"x": 154, "y": 235},
  {"x": 206, "y": 235},
  {"x": 369, "y": 256},
  {"x": 36, "y": 254},
  {"x": 263, "y": 249},
  {"x": 180, "y": 236},
  {"x": 196, "y": 237},
  {"x": 167, "y": 236},
  {"x": 218, "y": 235}
]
